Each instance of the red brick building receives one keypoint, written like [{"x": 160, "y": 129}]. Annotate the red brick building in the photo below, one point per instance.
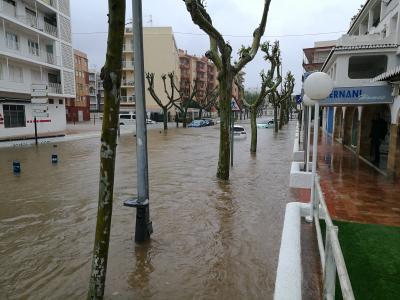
[{"x": 78, "y": 109}]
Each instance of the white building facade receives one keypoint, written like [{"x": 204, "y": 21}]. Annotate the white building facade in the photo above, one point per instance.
[
  {"x": 35, "y": 51},
  {"x": 360, "y": 65}
]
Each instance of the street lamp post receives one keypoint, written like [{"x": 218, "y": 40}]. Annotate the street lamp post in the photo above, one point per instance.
[
  {"x": 317, "y": 87},
  {"x": 309, "y": 104},
  {"x": 144, "y": 227}
]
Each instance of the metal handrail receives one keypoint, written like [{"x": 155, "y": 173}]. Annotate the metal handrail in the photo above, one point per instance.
[{"x": 332, "y": 259}]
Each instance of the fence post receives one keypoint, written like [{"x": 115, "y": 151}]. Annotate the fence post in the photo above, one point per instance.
[{"x": 330, "y": 267}]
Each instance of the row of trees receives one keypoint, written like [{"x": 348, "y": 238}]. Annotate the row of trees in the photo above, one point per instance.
[
  {"x": 177, "y": 99},
  {"x": 272, "y": 92},
  {"x": 220, "y": 54}
]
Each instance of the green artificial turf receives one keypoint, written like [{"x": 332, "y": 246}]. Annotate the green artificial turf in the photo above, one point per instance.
[{"x": 372, "y": 256}]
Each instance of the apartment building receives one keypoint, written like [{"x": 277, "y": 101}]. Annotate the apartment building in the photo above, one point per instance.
[
  {"x": 78, "y": 109},
  {"x": 161, "y": 57},
  {"x": 93, "y": 103},
  {"x": 365, "y": 67},
  {"x": 200, "y": 70},
  {"x": 315, "y": 57},
  {"x": 36, "y": 67},
  {"x": 100, "y": 92}
]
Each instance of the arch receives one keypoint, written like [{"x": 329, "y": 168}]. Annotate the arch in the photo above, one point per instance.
[
  {"x": 338, "y": 123},
  {"x": 369, "y": 117}
]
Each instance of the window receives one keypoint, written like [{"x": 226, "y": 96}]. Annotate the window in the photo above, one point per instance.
[
  {"x": 15, "y": 73},
  {"x": 33, "y": 48},
  {"x": 51, "y": 101},
  {"x": 363, "y": 67},
  {"x": 12, "y": 41},
  {"x": 61, "y": 102},
  {"x": 14, "y": 116}
]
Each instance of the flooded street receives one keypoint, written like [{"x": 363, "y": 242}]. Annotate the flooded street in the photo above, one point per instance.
[{"x": 211, "y": 240}]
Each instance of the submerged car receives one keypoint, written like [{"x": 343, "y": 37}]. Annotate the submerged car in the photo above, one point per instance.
[
  {"x": 208, "y": 121},
  {"x": 238, "y": 131},
  {"x": 265, "y": 124},
  {"x": 197, "y": 123}
]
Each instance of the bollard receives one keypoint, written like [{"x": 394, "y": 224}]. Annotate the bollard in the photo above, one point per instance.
[
  {"x": 16, "y": 167},
  {"x": 54, "y": 156}
]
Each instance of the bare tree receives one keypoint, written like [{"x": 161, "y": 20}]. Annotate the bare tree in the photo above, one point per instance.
[
  {"x": 220, "y": 54},
  {"x": 170, "y": 96},
  {"x": 283, "y": 98},
  {"x": 277, "y": 98},
  {"x": 270, "y": 83},
  {"x": 111, "y": 76},
  {"x": 208, "y": 101},
  {"x": 185, "y": 102}
]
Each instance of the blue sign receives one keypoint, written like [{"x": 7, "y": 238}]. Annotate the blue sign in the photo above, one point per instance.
[
  {"x": 359, "y": 95},
  {"x": 299, "y": 99}
]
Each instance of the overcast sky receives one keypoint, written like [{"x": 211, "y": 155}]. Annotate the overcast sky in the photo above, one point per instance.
[{"x": 294, "y": 23}]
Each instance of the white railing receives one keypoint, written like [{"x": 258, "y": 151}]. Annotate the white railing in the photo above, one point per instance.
[
  {"x": 8, "y": 8},
  {"x": 331, "y": 255},
  {"x": 29, "y": 20},
  {"x": 127, "y": 64},
  {"x": 128, "y": 47},
  {"x": 128, "y": 83},
  {"x": 13, "y": 47},
  {"x": 127, "y": 99},
  {"x": 50, "y": 29},
  {"x": 51, "y": 3},
  {"x": 54, "y": 88}
]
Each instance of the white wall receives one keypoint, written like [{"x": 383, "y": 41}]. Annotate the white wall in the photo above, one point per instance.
[{"x": 57, "y": 125}]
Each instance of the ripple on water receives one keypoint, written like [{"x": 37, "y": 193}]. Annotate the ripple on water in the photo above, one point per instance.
[{"x": 212, "y": 239}]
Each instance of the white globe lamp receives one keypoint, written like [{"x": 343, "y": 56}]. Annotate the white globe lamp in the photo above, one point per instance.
[{"x": 318, "y": 86}]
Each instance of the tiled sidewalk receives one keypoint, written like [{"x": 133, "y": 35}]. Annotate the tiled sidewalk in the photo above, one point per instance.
[{"x": 353, "y": 190}]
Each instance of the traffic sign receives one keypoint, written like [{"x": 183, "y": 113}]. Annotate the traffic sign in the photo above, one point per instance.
[
  {"x": 234, "y": 105},
  {"x": 39, "y": 90}
]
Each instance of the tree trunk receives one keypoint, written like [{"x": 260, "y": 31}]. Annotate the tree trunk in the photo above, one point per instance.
[
  {"x": 165, "y": 118},
  {"x": 200, "y": 113},
  {"x": 281, "y": 116},
  {"x": 225, "y": 92},
  {"x": 111, "y": 75},
  {"x": 276, "y": 118},
  {"x": 253, "y": 121}
]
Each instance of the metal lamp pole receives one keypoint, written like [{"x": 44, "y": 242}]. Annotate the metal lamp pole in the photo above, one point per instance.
[{"x": 144, "y": 227}]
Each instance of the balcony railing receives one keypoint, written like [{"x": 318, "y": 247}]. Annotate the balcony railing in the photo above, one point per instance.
[
  {"x": 15, "y": 48},
  {"x": 128, "y": 48},
  {"x": 127, "y": 64},
  {"x": 126, "y": 99},
  {"x": 52, "y": 3},
  {"x": 54, "y": 88},
  {"x": 127, "y": 83},
  {"x": 29, "y": 20}
]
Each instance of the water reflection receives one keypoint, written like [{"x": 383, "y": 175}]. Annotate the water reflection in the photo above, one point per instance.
[{"x": 211, "y": 239}]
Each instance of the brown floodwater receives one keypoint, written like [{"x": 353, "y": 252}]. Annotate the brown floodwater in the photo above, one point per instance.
[{"x": 212, "y": 240}]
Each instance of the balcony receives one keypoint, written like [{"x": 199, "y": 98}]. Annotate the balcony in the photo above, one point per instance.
[
  {"x": 128, "y": 83},
  {"x": 127, "y": 64},
  {"x": 52, "y": 3},
  {"x": 28, "y": 20},
  {"x": 127, "y": 48},
  {"x": 364, "y": 40},
  {"x": 54, "y": 88},
  {"x": 13, "y": 48},
  {"x": 127, "y": 99}
]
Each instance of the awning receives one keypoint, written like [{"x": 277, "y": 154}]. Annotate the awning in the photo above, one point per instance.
[{"x": 389, "y": 75}]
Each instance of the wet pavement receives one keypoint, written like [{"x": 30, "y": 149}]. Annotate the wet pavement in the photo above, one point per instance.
[
  {"x": 354, "y": 191},
  {"x": 212, "y": 240}
]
